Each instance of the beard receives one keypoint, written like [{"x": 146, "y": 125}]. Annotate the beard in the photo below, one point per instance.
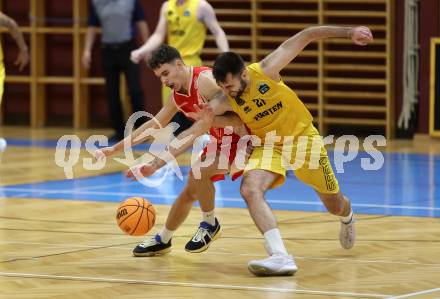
[{"x": 243, "y": 86}]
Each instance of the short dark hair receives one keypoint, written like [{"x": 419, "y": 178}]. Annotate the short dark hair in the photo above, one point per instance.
[
  {"x": 163, "y": 54},
  {"x": 227, "y": 62}
]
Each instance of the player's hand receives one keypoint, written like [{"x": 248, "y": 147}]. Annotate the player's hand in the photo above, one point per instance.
[
  {"x": 142, "y": 170},
  {"x": 104, "y": 152},
  {"x": 22, "y": 59},
  {"x": 361, "y": 35},
  {"x": 202, "y": 112},
  {"x": 86, "y": 59},
  {"x": 136, "y": 56},
  {"x": 207, "y": 113}
]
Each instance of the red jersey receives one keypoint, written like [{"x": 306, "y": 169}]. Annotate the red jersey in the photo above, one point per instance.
[{"x": 185, "y": 103}]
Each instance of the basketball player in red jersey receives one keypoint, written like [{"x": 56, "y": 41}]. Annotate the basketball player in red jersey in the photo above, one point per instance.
[{"x": 191, "y": 86}]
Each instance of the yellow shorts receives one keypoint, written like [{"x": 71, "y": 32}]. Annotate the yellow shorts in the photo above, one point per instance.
[
  {"x": 305, "y": 155},
  {"x": 189, "y": 60},
  {"x": 2, "y": 81}
]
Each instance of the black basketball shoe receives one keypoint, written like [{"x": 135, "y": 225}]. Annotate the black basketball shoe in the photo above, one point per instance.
[
  {"x": 152, "y": 247},
  {"x": 204, "y": 236}
]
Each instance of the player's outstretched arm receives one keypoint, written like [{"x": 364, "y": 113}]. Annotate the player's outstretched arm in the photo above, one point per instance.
[
  {"x": 186, "y": 139},
  {"x": 205, "y": 117},
  {"x": 161, "y": 119},
  {"x": 207, "y": 14},
  {"x": 177, "y": 146},
  {"x": 155, "y": 40},
  {"x": 288, "y": 50},
  {"x": 23, "y": 55}
]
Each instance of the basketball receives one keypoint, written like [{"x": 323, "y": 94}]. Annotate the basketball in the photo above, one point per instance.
[{"x": 136, "y": 216}]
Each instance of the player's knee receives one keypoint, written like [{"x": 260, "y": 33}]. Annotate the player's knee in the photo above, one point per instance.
[
  {"x": 250, "y": 192},
  {"x": 189, "y": 195}
]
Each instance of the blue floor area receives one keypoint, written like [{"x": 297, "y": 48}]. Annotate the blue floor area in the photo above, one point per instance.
[{"x": 406, "y": 185}]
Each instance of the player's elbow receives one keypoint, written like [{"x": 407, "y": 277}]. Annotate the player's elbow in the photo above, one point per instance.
[
  {"x": 311, "y": 33},
  {"x": 302, "y": 38}
]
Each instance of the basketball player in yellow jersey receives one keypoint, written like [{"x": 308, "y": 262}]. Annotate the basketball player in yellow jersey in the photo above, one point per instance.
[
  {"x": 184, "y": 23},
  {"x": 266, "y": 105},
  {"x": 22, "y": 59},
  {"x": 275, "y": 114}
]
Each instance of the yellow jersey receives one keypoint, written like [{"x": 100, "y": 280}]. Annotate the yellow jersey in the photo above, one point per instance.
[
  {"x": 185, "y": 32},
  {"x": 268, "y": 105}
]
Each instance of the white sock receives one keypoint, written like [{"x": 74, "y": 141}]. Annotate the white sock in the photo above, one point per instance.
[
  {"x": 209, "y": 217},
  {"x": 274, "y": 243},
  {"x": 166, "y": 235},
  {"x": 347, "y": 219}
]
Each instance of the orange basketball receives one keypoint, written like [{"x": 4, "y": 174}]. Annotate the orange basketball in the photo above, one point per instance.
[{"x": 136, "y": 216}]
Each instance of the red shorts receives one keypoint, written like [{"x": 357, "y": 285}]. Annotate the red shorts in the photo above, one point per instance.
[{"x": 232, "y": 154}]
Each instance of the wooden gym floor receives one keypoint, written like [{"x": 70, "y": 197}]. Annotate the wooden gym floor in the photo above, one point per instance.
[{"x": 59, "y": 238}]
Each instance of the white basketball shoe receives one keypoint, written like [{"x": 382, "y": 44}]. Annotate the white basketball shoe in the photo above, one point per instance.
[
  {"x": 347, "y": 234},
  {"x": 277, "y": 264}
]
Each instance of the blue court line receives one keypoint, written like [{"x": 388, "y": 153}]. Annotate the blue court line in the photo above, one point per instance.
[
  {"x": 406, "y": 185},
  {"x": 87, "y": 192}
]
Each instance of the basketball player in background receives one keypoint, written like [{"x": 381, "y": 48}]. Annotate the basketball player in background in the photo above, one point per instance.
[
  {"x": 191, "y": 86},
  {"x": 272, "y": 111},
  {"x": 184, "y": 23},
  {"x": 21, "y": 61}
]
